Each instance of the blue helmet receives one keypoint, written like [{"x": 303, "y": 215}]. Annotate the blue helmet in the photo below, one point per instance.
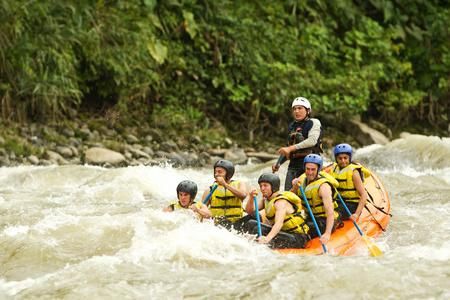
[
  {"x": 313, "y": 158},
  {"x": 343, "y": 149}
]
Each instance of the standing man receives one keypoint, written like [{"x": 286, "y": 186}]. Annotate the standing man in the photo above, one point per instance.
[
  {"x": 319, "y": 188},
  {"x": 304, "y": 138}
]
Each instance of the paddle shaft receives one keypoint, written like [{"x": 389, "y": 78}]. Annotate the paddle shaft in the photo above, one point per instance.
[
  {"x": 279, "y": 160},
  {"x": 313, "y": 218},
  {"x": 210, "y": 193},
  {"x": 373, "y": 249},
  {"x": 348, "y": 212},
  {"x": 258, "y": 220}
]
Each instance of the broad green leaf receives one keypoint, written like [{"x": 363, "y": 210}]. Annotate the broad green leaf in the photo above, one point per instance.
[
  {"x": 158, "y": 51},
  {"x": 189, "y": 23},
  {"x": 150, "y": 4},
  {"x": 156, "y": 22}
]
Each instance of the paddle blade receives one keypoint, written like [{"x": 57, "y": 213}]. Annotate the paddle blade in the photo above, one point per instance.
[{"x": 373, "y": 249}]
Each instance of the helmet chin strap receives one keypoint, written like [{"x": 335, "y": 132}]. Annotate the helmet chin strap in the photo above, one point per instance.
[
  {"x": 271, "y": 190},
  {"x": 317, "y": 175},
  {"x": 269, "y": 195}
]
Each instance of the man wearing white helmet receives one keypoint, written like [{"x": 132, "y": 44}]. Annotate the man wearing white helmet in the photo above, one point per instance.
[{"x": 304, "y": 138}]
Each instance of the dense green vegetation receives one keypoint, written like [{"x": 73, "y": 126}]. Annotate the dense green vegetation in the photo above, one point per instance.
[{"x": 200, "y": 63}]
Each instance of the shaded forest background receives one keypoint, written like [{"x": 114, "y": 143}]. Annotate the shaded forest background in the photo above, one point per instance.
[{"x": 226, "y": 67}]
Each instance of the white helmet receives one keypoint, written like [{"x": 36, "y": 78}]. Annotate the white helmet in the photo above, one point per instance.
[{"x": 303, "y": 102}]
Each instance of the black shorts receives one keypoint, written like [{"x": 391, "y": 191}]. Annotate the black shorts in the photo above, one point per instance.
[
  {"x": 322, "y": 224},
  {"x": 281, "y": 240},
  {"x": 292, "y": 173},
  {"x": 352, "y": 206}
]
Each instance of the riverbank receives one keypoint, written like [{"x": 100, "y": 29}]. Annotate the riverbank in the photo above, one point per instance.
[{"x": 98, "y": 141}]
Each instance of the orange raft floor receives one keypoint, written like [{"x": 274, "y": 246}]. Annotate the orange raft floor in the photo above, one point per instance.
[{"x": 346, "y": 241}]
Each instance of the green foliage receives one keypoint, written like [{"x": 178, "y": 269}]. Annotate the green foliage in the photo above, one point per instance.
[
  {"x": 50, "y": 135},
  {"x": 19, "y": 146},
  {"x": 239, "y": 63},
  {"x": 114, "y": 145},
  {"x": 179, "y": 117},
  {"x": 37, "y": 63}
]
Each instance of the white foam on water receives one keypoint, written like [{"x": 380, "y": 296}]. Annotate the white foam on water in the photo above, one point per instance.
[
  {"x": 12, "y": 231},
  {"x": 109, "y": 237},
  {"x": 55, "y": 221},
  {"x": 417, "y": 152},
  {"x": 12, "y": 288},
  {"x": 180, "y": 237},
  {"x": 433, "y": 253},
  {"x": 367, "y": 149}
]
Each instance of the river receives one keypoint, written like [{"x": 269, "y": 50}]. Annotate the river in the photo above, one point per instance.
[{"x": 73, "y": 232}]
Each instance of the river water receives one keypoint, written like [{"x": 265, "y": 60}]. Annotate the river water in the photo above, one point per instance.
[{"x": 73, "y": 232}]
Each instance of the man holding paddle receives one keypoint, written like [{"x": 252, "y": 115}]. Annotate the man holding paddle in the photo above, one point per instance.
[
  {"x": 317, "y": 188},
  {"x": 284, "y": 213},
  {"x": 225, "y": 197}
]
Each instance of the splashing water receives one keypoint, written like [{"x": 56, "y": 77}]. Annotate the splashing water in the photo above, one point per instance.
[{"x": 81, "y": 231}]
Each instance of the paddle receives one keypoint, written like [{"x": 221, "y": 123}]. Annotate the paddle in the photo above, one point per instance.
[
  {"x": 313, "y": 218},
  {"x": 214, "y": 187},
  {"x": 258, "y": 221},
  {"x": 279, "y": 162},
  {"x": 373, "y": 249}
]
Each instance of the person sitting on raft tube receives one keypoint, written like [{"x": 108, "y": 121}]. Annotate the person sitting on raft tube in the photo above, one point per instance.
[
  {"x": 225, "y": 203},
  {"x": 304, "y": 137},
  {"x": 284, "y": 213},
  {"x": 350, "y": 176},
  {"x": 186, "y": 192},
  {"x": 319, "y": 188}
]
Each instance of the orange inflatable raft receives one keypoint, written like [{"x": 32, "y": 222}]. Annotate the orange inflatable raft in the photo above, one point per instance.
[{"x": 346, "y": 240}]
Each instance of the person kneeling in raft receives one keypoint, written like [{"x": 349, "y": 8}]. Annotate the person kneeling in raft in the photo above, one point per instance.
[
  {"x": 287, "y": 227},
  {"x": 224, "y": 198}
]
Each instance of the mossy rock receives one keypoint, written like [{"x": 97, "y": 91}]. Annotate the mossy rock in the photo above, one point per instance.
[
  {"x": 51, "y": 135},
  {"x": 114, "y": 145},
  {"x": 96, "y": 124},
  {"x": 20, "y": 147}
]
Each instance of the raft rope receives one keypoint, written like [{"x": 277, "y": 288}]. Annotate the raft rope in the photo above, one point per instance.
[
  {"x": 375, "y": 219},
  {"x": 371, "y": 201},
  {"x": 381, "y": 209}
]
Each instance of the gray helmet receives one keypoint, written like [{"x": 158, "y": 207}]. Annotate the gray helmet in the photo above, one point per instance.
[
  {"x": 187, "y": 186},
  {"x": 227, "y": 165},
  {"x": 272, "y": 179}
]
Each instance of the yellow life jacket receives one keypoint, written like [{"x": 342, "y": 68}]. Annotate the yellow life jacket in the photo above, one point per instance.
[
  {"x": 366, "y": 173},
  {"x": 345, "y": 178},
  {"x": 176, "y": 205},
  {"x": 225, "y": 204},
  {"x": 312, "y": 193},
  {"x": 294, "y": 222}
]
